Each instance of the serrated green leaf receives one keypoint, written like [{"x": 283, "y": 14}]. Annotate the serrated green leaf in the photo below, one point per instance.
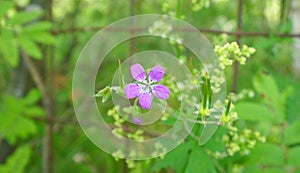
[
  {"x": 292, "y": 133},
  {"x": 22, "y": 127},
  {"x": 4, "y": 7},
  {"x": 199, "y": 161},
  {"x": 13, "y": 116},
  {"x": 30, "y": 47},
  {"x": 17, "y": 162},
  {"x": 24, "y": 17},
  {"x": 254, "y": 112},
  {"x": 38, "y": 26},
  {"x": 266, "y": 154},
  {"x": 265, "y": 85},
  {"x": 8, "y": 47}
]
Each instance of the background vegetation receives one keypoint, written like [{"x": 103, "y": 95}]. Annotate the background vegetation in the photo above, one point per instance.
[{"x": 40, "y": 41}]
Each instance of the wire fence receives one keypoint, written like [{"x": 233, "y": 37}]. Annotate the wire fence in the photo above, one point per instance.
[
  {"x": 239, "y": 33},
  {"x": 203, "y": 30},
  {"x": 48, "y": 163}
]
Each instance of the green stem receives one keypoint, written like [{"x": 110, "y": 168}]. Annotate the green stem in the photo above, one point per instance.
[
  {"x": 228, "y": 106},
  {"x": 209, "y": 91},
  {"x": 120, "y": 73},
  {"x": 135, "y": 101},
  {"x": 205, "y": 93}
]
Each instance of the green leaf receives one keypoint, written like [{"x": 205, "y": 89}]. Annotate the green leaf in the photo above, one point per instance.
[
  {"x": 4, "y": 7},
  {"x": 39, "y": 26},
  {"x": 266, "y": 43},
  {"x": 253, "y": 111},
  {"x": 39, "y": 32},
  {"x": 292, "y": 133},
  {"x": 8, "y": 47},
  {"x": 43, "y": 37},
  {"x": 17, "y": 162},
  {"x": 12, "y": 115},
  {"x": 216, "y": 143},
  {"x": 266, "y": 86},
  {"x": 266, "y": 154},
  {"x": 104, "y": 93},
  {"x": 34, "y": 111},
  {"x": 199, "y": 161},
  {"x": 22, "y": 3},
  {"x": 32, "y": 97},
  {"x": 24, "y": 17},
  {"x": 293, "y": 156},
  {"x": 176, "y": 159},
  {"x": 259, "y": 169},
  {"x": 30, "y": 47}
]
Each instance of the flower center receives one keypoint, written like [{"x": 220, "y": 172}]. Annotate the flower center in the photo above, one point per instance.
[{"x": 147, "y": 88}]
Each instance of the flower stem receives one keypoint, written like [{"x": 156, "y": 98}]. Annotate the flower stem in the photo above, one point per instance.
[
  {"x": 206, "y": 92},
  {"x": 120, "y": 73},
  {"x": 228, "y": 106}
]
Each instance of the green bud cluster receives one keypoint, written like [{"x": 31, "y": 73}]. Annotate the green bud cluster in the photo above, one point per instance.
[
  {"x": 119, "y": 124},
  {"x": 231, "y": 52},
  {"x": 216, "y": 79},
  {"x": 159, "y": 149},
  {"x": 236, "y": 168},
  {"x": 241, "y": 143},
  {"x": 199, "y": 4},
  {"x": 118, "y": 154},
  {"x": 161, "y": 28},
  {"x": 167, "y": 8},
  {"x": 118, "y": 121},
  {"x": 137, "y": 135},
  {"x": 243, "y": 94}
]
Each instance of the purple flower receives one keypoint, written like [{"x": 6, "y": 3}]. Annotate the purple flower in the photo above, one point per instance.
[
  {"x": 145, "y": 87},
  {"x": 137, "y": 120}
]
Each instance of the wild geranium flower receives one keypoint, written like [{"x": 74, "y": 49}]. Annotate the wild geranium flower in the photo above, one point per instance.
[
  {"x": 145, "y": 87},
  {"x": 137, "y": 120}
]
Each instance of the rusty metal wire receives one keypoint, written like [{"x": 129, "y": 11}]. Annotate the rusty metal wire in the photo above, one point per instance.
[{"x": 203, "y": 30}]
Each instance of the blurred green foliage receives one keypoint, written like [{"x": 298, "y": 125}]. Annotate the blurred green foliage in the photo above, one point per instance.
[{"x": 274, "y": 111}]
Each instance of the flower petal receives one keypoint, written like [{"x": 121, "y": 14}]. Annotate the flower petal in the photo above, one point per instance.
[
  {"x": 132, "y": 90},
  {"x": 161, "y": 91},
  {"x": 137, "y": 120},
  {"x": 137, "y": 72},
  {"x": 145, "y": 100},
  {"x": 157, "y": 73}
]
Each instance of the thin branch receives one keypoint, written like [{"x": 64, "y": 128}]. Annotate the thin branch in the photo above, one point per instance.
[
  {"x": 48, "y": 148},
  {"x": 204, "y": 30},
  {"x": 239, "y": 39},
  {"x": 47, "y": 151},
  {"x": 37, "y": 79}
]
